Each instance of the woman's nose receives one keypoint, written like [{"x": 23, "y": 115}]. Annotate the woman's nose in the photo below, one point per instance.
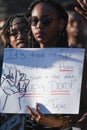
[
  {"x": 19, "y": 35},
  {"x": 39, "y": 24}
]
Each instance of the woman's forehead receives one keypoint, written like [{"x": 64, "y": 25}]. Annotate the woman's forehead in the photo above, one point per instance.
[
  {"x": 18, "y": 26},
  {"x": 18, "y": 21},
  {"x": 75, "y": 17},
  {"x": 44, "y": 8}
]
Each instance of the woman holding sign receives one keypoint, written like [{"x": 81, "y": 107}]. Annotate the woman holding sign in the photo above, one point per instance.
[{"x": 48, "y": 21}]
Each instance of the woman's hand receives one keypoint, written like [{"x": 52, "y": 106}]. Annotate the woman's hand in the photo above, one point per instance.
[
  {"x": 48, "y": 120},
  {"x": 83, "y": 11}
]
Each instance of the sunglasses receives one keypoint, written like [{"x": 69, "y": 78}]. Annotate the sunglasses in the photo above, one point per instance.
[
  {"x": 46, "y": 20},
  {"x": 15, "y": 32}
]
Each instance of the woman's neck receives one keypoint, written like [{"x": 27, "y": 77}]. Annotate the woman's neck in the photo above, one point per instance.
[{"x": 48, "y": 45}]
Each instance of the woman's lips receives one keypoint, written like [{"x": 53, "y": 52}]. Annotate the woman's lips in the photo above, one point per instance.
[{"x": 39, "y": 34}]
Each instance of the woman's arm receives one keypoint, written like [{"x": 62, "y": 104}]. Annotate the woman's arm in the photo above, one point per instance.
[
  {"x": 60, "y": 121},
  {"x": 83, "y": 9}
]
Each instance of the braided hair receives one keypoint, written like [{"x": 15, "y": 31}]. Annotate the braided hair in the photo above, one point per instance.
[
  {"x": 63, "y": 42},
  {"x": 8, "y": 24}
]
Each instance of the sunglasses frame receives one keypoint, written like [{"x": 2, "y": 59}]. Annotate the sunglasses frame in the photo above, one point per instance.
[
  {"x": 46, "y": 20},
  {"x": 22, "y": 31}
]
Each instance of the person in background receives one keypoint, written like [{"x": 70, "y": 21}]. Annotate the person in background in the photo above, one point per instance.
[
  {"x": 2, "y": 37},
  {"x": 2, "y": 41},
  {"x": 15, "y": 30},
  {"x": 82, "y": 10},
  {"x": 48, "y": 21},
  {"x": 75, "y": 28}
]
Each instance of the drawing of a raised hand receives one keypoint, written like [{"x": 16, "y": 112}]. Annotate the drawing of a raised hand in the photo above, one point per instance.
[
  {"x": 8, "y": 83},
  {"x": 14, "y": 83}
]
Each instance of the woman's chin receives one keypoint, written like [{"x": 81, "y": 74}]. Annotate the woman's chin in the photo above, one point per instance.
[{"x": 22, "y": 45}]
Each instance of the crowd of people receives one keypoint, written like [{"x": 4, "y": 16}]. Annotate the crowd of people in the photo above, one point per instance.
[{"x": 46, "y": 24}]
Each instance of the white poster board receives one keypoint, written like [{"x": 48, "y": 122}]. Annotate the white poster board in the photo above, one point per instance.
[{"x": 51, "y": 77}]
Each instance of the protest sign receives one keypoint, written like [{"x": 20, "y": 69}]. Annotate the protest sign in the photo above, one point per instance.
[{"x": 51, "y": 77}]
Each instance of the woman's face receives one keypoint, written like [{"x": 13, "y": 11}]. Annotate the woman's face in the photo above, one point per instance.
[
  {"x": 75, "y": 25},
  {"x": 45, "y": 24},
  {"x": 19, "y": 35}
]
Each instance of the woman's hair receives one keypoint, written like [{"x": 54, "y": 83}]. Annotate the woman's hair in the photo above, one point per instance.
[
  {"x": 8, "y": 24},
  {"x": 63, "y": 42}
]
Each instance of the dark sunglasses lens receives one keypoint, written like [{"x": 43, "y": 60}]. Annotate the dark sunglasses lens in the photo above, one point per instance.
[
  {"x": 14, "y": 33},
  {"x": 34, "y": 21},
  {"x": 23, "y": 31},
  {"x": 46, "y": 21}
]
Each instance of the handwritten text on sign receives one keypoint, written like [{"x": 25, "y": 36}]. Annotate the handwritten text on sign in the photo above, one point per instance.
[{"x": 51, "y": 77}]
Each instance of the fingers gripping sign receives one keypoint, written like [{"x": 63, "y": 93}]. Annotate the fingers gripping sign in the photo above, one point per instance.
[
  {"x": 46, "y": 120},
  {"x": 37, "y": 115}
]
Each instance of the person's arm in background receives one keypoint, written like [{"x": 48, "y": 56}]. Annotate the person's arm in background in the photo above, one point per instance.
[{"x": 83, "y": 9}]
